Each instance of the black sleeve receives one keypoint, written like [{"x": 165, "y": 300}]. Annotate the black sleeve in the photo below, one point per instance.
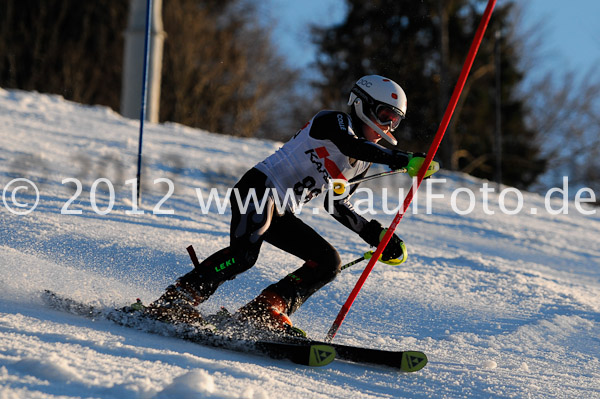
[
  {"x": 336, "y": 127},
  {"x": 343, "y": 210}
]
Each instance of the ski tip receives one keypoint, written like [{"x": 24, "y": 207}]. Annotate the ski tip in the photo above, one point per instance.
[
  {"x": 321, "y": 355},
  {"x": 413, "y": 361}
]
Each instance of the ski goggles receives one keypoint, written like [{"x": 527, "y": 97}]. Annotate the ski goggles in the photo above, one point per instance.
[{"x": 386, "y": 115}]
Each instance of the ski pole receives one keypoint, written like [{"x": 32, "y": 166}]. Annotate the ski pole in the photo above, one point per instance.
[
  {"x": 339, "y": 186},
  {"x": 369, "y": 254},
  {"x": 430, "y": 154},
  {"x": 354, "y": 262},
  {"x": 144, "y": 96}
]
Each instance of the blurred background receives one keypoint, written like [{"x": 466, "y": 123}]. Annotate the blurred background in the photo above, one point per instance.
[{"x": 529, "y": 113}]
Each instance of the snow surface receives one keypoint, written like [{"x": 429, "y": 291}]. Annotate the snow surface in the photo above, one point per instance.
[{"x": 504, "y": 305}]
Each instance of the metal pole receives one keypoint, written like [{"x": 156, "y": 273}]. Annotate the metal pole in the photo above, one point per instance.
[{"x": 143, "y": 106}]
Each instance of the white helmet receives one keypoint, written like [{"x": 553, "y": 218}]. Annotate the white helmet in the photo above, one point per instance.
[{"x": 382, "y": 99}]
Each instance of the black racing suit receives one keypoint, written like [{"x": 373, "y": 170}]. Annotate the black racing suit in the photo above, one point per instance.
[{"x": 330, "y": 132}]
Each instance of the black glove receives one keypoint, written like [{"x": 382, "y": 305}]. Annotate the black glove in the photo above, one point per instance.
[
  {"x": 373, "y": 232},
  {"x": 399, "y": 161}
]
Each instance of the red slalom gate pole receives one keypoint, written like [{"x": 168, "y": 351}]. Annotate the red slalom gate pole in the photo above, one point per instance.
[{"x": 430, "y": 154}]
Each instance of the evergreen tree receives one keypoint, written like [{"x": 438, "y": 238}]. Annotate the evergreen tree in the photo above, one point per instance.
[{"x": 422, "y": 45}]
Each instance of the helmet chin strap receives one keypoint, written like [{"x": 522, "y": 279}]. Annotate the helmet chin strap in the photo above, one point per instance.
[{"x": 359, "y": 112}]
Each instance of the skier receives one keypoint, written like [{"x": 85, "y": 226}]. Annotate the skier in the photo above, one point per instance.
[{"x": 332, "y": 145}]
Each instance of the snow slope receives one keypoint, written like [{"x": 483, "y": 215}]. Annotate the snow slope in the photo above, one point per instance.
[{"x": 504, "y": 305}]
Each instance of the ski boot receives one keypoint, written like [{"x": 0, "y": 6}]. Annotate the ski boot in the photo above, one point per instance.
[
  {"x": 177, "y": 305},
  {"x": 267, "y": 311}
]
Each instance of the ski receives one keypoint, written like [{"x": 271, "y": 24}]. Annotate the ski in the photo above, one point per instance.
[
  {"x": 406, "y": 361},
  {"x": 299, "y": 350},
  {"x": 306, "y": 353}
]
